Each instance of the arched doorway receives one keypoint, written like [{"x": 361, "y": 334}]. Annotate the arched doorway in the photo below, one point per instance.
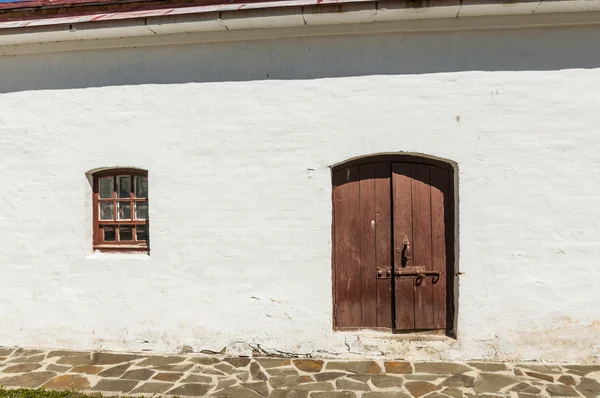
[{"x": 393, "y": 244}]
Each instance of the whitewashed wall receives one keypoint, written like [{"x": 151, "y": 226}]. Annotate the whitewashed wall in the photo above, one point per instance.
[{"x": 238, "y": 139}]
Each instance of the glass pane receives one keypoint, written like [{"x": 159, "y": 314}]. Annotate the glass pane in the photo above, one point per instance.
[
  {"x": 125, "y": 233},
  {"x": 123, "y": 186},
  {"x": 106, "y": 211},
  {"x": 109, "y": 233},
  {"x": 140, "y": 232},
  {"x": 140, "y": 187},
  {"x": 105, "y": 187},
  {"x": 141, "y": 210},
  {"x": 124, "y": 210}
]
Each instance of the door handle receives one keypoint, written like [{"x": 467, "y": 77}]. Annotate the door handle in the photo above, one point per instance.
[{"x": 405, "y": 252}]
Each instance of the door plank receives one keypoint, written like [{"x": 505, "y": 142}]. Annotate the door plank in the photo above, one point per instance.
[
  {"x": 421, "y": 205},
  {"x": 403, "y": 229},
  {"x": 368, "y": 257},
  {"x": 440, "y": 187},
  {"x": 383, "y": 241},
  {"x": 347, "y": 277}
]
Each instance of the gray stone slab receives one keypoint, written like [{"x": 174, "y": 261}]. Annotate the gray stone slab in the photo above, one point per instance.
[
  {"x": 551, "y": 369},
  {"x": 58, "y": 368},
  {"x": 334, "y": 394},
  {"x": 288, "y": 381},
  {"x": 283, "y": 393},
  {"x": 584, "y": 369},
  {"x": 67, "y": 353},
  {"x": 237, "y": 362},
  {"x": 205, "y": 360},
  {"x": 273, "y": 362},
  {"x": 226, "y": 368},
  {"x": 459, "y": 380},
  {"x": 318, "y": 386},
  {"x": 346, "y": 384},
  {"x": 441, "y": 367},
  {"x": 26, "y": 352},
  {"x": 260, "y": 387},
  {"x": 237, "y": 392},
  {"x": 173, "y": 377},
  {"x": 225, "y": 383},
  {"x": 525, "y": 388},
  {"x": 589, "y": 387},
  {"x": 419, "y": 388},
  {"x": 6, "y": 351},
  {"x": 284, "y": 371},
  {"x": 138, "y": 374},
  {"x": 385, "y": 381},
  {"x": 68, "y": 382},
  {"x": 325, "y": 376},
  {"x": 152, "y": 388},
  {"x": 453, "y": 392},
  {"x": 180, "y": 367},
  {"x": 74, "y": 361},
  {"x": 115, "y": 371},
  {"x": 161, "y": 360},
  {"x": 568, "y": 380},
  {"x": 105, "y": 358},
  {"x": 488, "y": 366},
  {"x": 22, "y": 367},
  {"x": 493, "y": 382},
  {"x": 561, "y": 390},
  {"x": 28, "y": 380},
  {"x": 358, "y": 367},
  {"x": 32, "y": 358},
  {"x": 115, "y": 385},
  {"x": 190, "y": 389},
  {"x": 385, "y": 394}
]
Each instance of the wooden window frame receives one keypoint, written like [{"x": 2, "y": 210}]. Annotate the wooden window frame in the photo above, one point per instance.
[{"x": 133, "y": 245}]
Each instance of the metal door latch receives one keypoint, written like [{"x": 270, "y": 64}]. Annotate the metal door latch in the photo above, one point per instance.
[
  {"x": 418, "y": 272},
  {"x": 384, "y": 272}
]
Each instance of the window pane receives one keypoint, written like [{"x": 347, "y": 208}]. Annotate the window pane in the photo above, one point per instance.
[
  {"x": 140, "y": 187},
  {"x": 123, "y": 186},
  {"x": 141, "y": 210},
  {"x": 140, "y": 232},
  {"x": 106, "y": 211},
  {"x": 109, "y": 233},
  {"x": 105, "y": 187},
  {"x": 124, "y": 210},
  {"x": 125, "y": 233}
]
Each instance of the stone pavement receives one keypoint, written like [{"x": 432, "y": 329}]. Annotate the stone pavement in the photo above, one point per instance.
[{"x": 221, "y": 376}]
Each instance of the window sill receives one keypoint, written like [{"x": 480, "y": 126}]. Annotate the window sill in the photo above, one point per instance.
[{"x": 130, "y": 255}]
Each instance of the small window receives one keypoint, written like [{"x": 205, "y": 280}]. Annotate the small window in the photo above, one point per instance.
[{"x": 121, "y": 210}]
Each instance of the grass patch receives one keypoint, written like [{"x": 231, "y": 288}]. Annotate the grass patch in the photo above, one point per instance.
[{"x": 43, "y": 393}]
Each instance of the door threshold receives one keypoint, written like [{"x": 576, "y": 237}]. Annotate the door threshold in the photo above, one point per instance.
[{"x": 387, "y": 333}]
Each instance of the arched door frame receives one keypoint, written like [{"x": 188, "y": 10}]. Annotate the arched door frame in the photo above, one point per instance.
[{"x": 451, "y": 229}]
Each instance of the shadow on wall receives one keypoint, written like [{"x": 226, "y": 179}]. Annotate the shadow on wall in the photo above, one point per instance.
[{"x": 308, "y": 58}]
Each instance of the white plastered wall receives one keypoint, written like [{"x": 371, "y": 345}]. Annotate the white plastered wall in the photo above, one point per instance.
[{"x": 238, "y": 139}]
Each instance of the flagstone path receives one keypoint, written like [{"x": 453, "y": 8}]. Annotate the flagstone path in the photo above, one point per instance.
[{"x": 221, "y": 376}]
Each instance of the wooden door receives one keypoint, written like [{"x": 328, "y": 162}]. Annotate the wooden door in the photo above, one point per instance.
[
  {"x": 391, "y": 233},
  {"x": 362, "y": 243},
  {"x": 421, "y": 212}
]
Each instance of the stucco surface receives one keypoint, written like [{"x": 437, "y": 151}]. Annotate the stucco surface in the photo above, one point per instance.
[{"x": 238, "y": 139}]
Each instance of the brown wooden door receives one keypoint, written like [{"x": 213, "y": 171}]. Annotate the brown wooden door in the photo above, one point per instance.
[
  {"x": 362, "y": 242},
  {"x": 421, "y": 196},
  {"x": 391, "y": 229}
]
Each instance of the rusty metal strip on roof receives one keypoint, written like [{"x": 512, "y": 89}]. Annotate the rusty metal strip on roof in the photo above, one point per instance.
[{"x": 170, "y": 11}]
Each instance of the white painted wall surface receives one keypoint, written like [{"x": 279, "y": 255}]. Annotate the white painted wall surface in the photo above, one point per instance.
[{"x": 238, "y": 139}]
